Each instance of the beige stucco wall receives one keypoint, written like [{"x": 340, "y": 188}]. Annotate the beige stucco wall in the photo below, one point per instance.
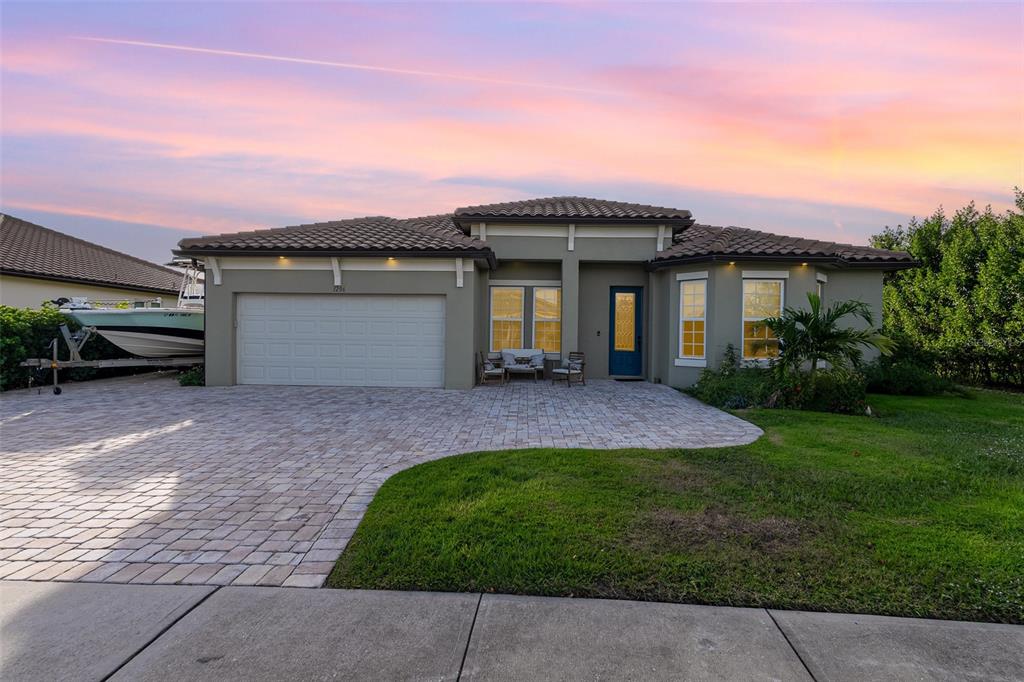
[
  {"x": 30, "y": 292},
  {"x": 586, "y": 274},
  {"x": 725, "y": 300},
  {"x": 541, "y": 252},
  {"x": 460, "y": 304},
  {"x": 596, "y": 281}
]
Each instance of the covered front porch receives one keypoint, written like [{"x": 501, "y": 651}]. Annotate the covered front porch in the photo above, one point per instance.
[{"x": 597, "y": 308}]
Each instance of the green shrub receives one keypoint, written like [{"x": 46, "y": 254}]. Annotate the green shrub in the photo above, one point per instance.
[
  {"x": 836, "y": 390},
  {"x": 193, "y": 376},
  {"x": 733, "y": 386},
  {"x": 26, "y": 333},
  {"x": 908, "y": 371},
  {"x": 733, "y": 390}
]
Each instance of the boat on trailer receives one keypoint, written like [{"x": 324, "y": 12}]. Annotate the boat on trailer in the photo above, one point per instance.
[{"x": 150, "y": 332}]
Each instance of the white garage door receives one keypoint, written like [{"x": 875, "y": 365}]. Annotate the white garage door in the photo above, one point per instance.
[{"x": 340, "y": 340}]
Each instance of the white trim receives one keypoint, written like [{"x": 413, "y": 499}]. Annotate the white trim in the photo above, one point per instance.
[
  {"x": 572, "y": 236},
  {"x": 690, "y": 362},
  {"x": 683, "y": 319},
  {"x": 525, "y": 283},
  {"x": 533, "y": 320},
  {"x": 215, "y": 266},
  {"x": 528, "y": 231},
  {"x": 483, "y": 232},
  {"x": 411, "y": 264},
  {"x": 661, "y": 237},
  {"x": 821, "y": 277},
  {"x": 459, "y": 270},
  {"x": 682, "y": 276},
  {"x": 744, "y": 320},
  {"x": 564, "y": 231},
  {"x": 766, "y": 274},
  {"x": 277, "y": 263},
  {"x": 490, "y": 316},
  {"x": 613, "y": 231},
  {"x": 336, "y": 267}
]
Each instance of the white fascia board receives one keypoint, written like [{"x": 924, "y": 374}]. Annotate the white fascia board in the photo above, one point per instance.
[
  {"x": 526, "y": 282},
  {"x": 617, "y": 232},
  {"x": 405, "y": 264},
  {"x": 766, "y": 274}
]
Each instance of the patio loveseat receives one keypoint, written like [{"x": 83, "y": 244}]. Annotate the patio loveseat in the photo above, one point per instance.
[{"x": 528, "y": 361}]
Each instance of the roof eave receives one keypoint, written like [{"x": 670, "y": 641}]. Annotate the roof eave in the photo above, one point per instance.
[
  {"x": 475, "y": 254},
  {"x": 90, "y": 282},
  {"x": 678, "y": 224},
  {"x": 829, "y": 260}
]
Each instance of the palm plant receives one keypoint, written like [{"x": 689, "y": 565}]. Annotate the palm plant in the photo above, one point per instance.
[{"x": 815, "y": 335}]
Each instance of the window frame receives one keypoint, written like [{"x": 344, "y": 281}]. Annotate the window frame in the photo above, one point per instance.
[
  {"x": 744, "y": 319},
  {"x": 683, "y": 318},
  {"x": 534, "y": 319},
  {"x": 490, "y": 316}
]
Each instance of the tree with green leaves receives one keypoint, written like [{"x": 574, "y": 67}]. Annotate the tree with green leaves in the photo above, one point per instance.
[
  {"x": 815, "y": 335},
  {"x": 964, "y": 306}
]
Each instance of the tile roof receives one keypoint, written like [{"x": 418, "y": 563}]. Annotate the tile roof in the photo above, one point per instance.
[
  {"x": 701, "y": 242},
  {"x": 30, "y": 249},
  {"x": 581, "y": 208},
  {"x": 445, "y": 234},
  {"x": 374, "y": 234}
]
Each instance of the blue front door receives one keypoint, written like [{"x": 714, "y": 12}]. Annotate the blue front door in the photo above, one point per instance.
[{"x": 625, "y": 354}]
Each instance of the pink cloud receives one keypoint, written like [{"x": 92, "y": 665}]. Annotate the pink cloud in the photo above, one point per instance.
[{"x": 900, "y": 125}]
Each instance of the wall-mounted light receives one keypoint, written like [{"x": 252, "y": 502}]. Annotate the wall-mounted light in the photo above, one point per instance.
[
  {"x": 732, "y": 262},
  {"x": 804, "y": 264}
]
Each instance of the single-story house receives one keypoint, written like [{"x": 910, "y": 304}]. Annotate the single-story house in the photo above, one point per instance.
[
  {"x": 38, "y": 264},
  {"x": 644, "y": 291}
]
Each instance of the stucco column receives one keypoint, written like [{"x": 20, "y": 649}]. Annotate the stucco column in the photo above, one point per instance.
[{"x": 570, "y": 303}]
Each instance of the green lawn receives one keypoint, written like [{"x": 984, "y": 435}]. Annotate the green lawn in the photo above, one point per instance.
[{"x": 917, "y": 512}]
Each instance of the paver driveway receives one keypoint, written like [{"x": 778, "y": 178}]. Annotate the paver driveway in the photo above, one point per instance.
[{"x": 143, "y": 481}]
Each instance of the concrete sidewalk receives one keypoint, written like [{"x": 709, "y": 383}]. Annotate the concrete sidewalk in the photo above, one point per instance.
[{"x": 82, "y": 631}]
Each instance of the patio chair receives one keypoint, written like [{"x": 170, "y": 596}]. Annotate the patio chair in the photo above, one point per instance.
[
  {"x": 490, "y": 370},
  {"x": 523, "y": 361},
  {"x": 573, "y": 369}
]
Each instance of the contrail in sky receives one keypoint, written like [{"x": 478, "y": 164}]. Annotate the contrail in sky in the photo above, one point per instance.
[{"x": 349, "y": 65}]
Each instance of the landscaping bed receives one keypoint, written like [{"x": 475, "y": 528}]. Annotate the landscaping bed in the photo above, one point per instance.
[{"x": 918, "y": 511}]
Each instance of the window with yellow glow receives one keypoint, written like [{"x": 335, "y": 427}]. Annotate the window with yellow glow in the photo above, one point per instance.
[
  {"x": 762, "y": 298},
  {"x": 693, "y": 296},
  {"x": 547, "y": 319},
  {"x": 506, "y": 318}
]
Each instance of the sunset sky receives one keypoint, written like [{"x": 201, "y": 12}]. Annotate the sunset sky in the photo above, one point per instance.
[{"x": 136, "y": 124}]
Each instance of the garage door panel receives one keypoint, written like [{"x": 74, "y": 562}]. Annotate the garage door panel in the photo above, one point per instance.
[
  {"x": 329, "y": 350},
  {"x": 341, "y": 340}
]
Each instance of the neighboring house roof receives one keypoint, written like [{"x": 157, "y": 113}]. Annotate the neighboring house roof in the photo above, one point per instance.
[
  {"x": 581, "y": 209},
  {"x": 375, "y": 235},
  {"x": 30, "y": 250},
  {"x": 708, "y": 242}
]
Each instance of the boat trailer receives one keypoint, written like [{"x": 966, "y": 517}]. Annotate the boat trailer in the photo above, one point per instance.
[{"x": 77, "y": 340}]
